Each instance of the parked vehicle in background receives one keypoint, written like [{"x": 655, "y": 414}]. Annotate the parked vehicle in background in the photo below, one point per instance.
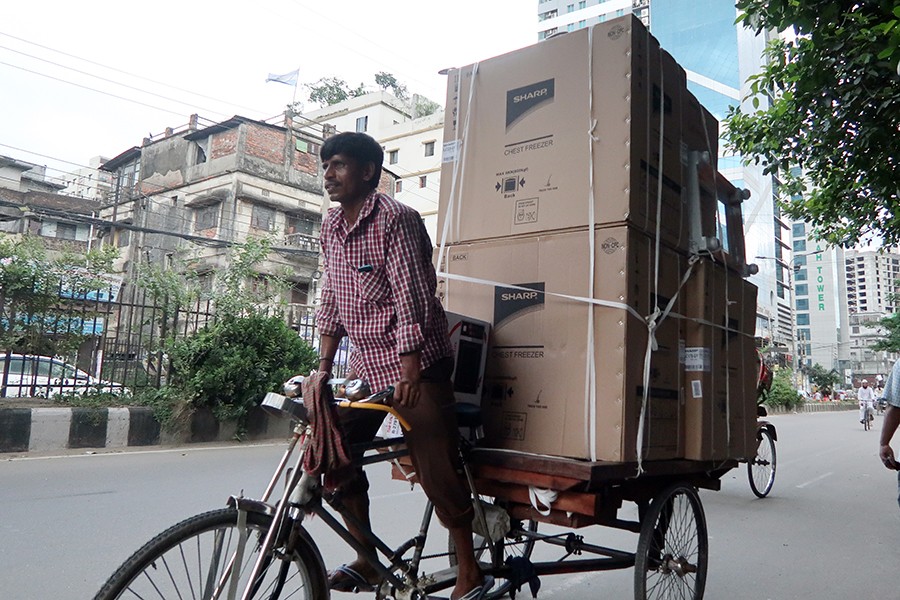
[{"x": 32, "y": 376}]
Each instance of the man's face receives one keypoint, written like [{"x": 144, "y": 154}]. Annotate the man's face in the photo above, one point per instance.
[{"x": 346, "y": 180}]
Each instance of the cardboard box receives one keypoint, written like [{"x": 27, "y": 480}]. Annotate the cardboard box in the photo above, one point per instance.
[
  {"x": 534, "y": 291},
  {"x": 719, "y": 364},
  {"x": 535, "y": 138}
]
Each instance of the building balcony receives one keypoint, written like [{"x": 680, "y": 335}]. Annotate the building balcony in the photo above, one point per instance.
[{"x": 301, "y": 241}]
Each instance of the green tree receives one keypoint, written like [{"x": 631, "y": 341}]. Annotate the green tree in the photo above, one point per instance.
[
  {"x": 891, "y": 340},
  {"x": 823, "y": 378},
  {"x": 387, "y": 81},
  {"x": 423, "y": 107},
  {"x": 41, "y": 292},
  {"x": 782, "y": 392},
  {"x": 331, "y": 90},
  {"x": 228, "y": 366},
  {"x": 832, "y": 129}
]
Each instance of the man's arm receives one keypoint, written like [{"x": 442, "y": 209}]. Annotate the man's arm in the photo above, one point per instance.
[
  {"x": 328, "y": 347},
  {"x": 888, "y": 427},
  {"x": 412, "y": 287}
]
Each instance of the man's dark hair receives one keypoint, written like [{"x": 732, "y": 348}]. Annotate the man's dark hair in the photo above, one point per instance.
[{"x": 358, "y": 146}]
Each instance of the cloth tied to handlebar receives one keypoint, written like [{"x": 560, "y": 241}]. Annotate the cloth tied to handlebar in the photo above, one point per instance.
[{"x": 328, "y": 453}]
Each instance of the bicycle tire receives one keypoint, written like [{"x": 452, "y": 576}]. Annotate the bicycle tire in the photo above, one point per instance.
[
  {"x": 761, "y": 469},
  {"x": 189, "y": 558},
  {"x": 516, "y": 543},
  {"x": 673, "y": 547}
]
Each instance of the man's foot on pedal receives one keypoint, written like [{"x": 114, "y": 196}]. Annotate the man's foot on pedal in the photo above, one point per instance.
[
  {"x": 347, "y": 578},
  {"x": 479, "y": 592}
]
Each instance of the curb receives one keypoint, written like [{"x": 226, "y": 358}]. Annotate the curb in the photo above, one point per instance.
[
  {"x": 813, "y": 407},
  {"x": 43, "y": 429}
]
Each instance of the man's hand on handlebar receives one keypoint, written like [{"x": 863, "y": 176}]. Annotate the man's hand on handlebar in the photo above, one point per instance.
[{"x": 406, "y": 393}]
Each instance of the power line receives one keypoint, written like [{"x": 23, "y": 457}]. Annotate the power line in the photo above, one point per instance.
[{"x": 153, "y": 81}]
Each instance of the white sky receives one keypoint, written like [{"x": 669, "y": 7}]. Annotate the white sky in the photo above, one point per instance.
[{"x": 212, "y": 58}]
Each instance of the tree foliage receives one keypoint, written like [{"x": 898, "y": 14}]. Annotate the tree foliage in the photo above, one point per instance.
[
  {"x": 387, "y": 81},
  {"x": 331, "y": 90},
  {"x": 230, "y": 365},
  {"x": 824, "y": 379},
  {"x": 41, "y": 294},
  {"x": 782, "y": 392},
  {"x": 891, "y": 341},
  {"x": 832, "y": 129}
]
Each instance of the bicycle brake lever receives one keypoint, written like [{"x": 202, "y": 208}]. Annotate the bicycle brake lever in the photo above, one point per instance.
[{"x": 382, "y": 395}]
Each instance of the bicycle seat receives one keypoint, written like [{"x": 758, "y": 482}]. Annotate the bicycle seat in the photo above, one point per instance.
[{"x": 468, "y": 415}]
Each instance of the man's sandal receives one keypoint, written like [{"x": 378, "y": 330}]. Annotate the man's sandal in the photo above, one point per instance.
[
  {"x": 478, "y": 593},
  {"x": 347, "y": 579}
]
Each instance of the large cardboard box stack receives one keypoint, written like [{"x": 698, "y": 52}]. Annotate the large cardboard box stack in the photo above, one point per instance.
[
  {"x": 536, "y": 398},
  {"x": 576, "y": 144}
]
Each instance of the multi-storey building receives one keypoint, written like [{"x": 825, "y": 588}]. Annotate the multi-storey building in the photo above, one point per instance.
[
  {"x": 412, "y": 144},
  {"x": 89, "y": 182},
  {"x": 718, "y": 56},
  {"x": 871, "y": 294},
  {"x": 199, "y": 190},
  {"x": 819, "y": 301},
  {"x": 29, "y": 204}
]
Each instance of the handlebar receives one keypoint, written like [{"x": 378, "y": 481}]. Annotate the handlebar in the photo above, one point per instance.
[
  {"x": 374, "y": 402},
  {"x": 292, "y": 403}
]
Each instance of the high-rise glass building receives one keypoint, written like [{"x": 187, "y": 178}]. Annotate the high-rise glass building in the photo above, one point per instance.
[{"x": 718, "y": 56}]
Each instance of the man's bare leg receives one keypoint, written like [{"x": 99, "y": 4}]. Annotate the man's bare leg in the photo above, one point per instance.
[
  {"x": 357, "y": 505},
  {"x": 468, "y": 575}
]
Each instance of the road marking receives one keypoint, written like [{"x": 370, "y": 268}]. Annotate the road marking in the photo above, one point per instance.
[
  {"x": 819, "y": 478},
  {"x": 97, "y": 452}
]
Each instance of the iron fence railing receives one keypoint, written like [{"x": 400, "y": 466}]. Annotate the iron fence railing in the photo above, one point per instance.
[{"x": 110, "y": 340}]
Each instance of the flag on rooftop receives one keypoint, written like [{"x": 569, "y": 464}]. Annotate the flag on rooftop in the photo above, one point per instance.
[{"x": 288, "y": 78}]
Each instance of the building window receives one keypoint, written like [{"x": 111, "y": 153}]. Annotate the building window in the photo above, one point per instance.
[
  {"x": 803, "y": 319},
  {"x": 123, "y": 238},
  {"x": 570, "y": 27},
  {"x": 206, "y": 217},
  {"x": 205, "y": 283},
  {"x": 262, "y": 217},
  {"x": 802, "y": 289},
  {"x": 362, "y": 124},
  {"x": 299, "y": 293},
  {"x": 581, "y": 24},
  {"x": 307, "y": 146},
  {"x": 423, "y": 181},
  {"x": 582, "y": 4},
  {"x": 201, "y": 147},
  {"x": 398, "y": 186},
  {"x": 299, "y": 224},
  {"x": 393, "y": 156},
  {"x": 801, "y": 275},
  {"x": 802, "y": 303},
  {"x": 799, "y": 245},
  {"x": 429, "y": 148},
  {"x": 798, "y": 229},
  {"x": 66, "y": 231},
  {"x": 570, "y": 8}
]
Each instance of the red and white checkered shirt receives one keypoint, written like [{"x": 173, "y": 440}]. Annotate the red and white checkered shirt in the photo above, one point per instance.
[{"x": 379, "y": 289}]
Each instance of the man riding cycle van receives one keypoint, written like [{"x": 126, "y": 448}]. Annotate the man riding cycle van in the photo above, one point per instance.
[
  {"x": 379, "y": 290},
  {"x": 866, "y": 396}
]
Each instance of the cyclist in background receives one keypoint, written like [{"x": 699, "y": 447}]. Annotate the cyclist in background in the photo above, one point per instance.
[{"x": 866, "y": 396}]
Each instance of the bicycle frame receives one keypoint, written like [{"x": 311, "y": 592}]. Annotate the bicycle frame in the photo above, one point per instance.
[{"x": 312, "y": 505}]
